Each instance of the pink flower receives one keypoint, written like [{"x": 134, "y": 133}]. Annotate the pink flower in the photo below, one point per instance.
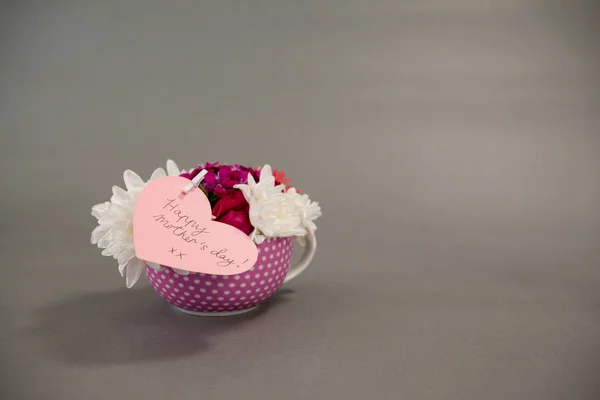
[
  {"x": 232, "y": 209},
  {"x": 220, "y": 179}
]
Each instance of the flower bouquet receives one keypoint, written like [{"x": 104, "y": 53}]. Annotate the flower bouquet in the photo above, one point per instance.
[{"x": 213, "y": 240}]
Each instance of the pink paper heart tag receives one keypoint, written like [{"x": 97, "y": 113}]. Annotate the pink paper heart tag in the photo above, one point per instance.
[{"x": 175, "y": 229}]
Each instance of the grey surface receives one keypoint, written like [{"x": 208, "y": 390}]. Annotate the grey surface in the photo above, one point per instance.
[{"x": 454, "y": 147}]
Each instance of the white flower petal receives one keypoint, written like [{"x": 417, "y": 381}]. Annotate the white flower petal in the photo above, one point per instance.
[
  {"x": 266, "y": 172},
  {"x": 105, "y": 240},
  {"x": 154, "y": 266},
  {"x": 118, "y": 211},
  {"x": 119, "y": 195},
  {"x": 99, "y": 232},
  {"x": 181, "y": 271},
  {"x": 133, "y": 272},
  {"x": 99, "y": 209},
  {"x": 158, "y": 173},
  {"x": 126, "y": 256},
  {"x": 257, "y": 237},
  {"x": 122, "y": 268},
  {"x": 115, "y": 248},
  {"x": 172, "y": 168},
  {"x": 109, "y": 251},
  {"x": 132, "y": 180}
]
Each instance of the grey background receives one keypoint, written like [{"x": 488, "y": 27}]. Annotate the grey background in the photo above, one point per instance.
[{"x": 454, "y": 148}]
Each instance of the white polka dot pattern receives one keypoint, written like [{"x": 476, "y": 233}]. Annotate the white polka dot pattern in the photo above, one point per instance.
[{"x": 220, "y": 293}]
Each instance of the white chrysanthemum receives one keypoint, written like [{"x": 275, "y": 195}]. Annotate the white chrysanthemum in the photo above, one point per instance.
[
  {"x": 276, "y": 213},
  {"x": 276, "y": 216},
  {"x": 114, "y": 232},
  {"x": 307, "y": 209},
  {"x": 264, "y": 189}
]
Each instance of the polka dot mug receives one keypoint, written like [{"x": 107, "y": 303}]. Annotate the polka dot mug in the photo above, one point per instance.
[{"x": 221, "y": 295}]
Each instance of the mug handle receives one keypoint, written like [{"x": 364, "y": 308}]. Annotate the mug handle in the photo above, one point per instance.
[{"x": 305, "y": 259}]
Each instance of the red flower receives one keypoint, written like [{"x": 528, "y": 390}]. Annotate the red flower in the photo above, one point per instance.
[
  {"x": 232, "y": 209},
  {"x": 280, "y": 177}
]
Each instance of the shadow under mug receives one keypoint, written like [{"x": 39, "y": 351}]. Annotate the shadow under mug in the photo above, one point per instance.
[{"x": 222, "y": 295}]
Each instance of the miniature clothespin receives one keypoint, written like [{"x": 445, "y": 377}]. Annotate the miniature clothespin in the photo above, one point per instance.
[{"x": 194, "y": 182}]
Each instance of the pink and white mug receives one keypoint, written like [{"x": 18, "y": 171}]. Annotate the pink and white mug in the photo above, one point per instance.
[{"x": 222, "y": 295}]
